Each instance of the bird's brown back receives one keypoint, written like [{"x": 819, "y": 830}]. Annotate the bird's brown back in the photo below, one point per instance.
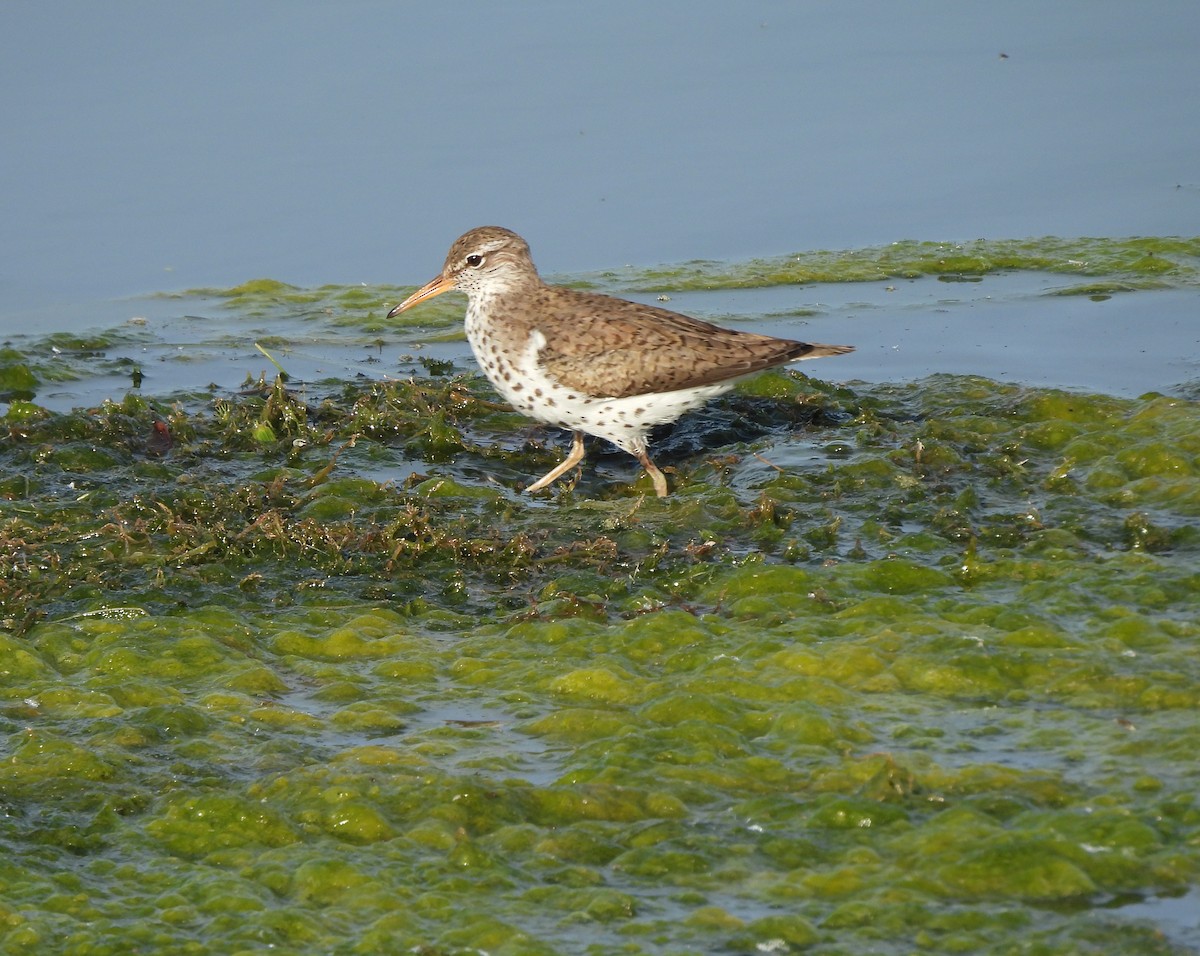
[{"x": 602, "y": 345}]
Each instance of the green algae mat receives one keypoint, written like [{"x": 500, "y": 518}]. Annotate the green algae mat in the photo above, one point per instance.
[{"x": 906, "y": 667}]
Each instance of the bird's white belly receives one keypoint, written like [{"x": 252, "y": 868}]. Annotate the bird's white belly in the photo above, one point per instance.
[{"x": 518, "y": 376}]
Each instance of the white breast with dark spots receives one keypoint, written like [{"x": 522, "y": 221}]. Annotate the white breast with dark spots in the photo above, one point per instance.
[{"x": 517, "y": 375}]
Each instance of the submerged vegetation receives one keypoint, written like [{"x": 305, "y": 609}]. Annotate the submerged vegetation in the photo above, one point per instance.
[{"x": 896, "y": 667}]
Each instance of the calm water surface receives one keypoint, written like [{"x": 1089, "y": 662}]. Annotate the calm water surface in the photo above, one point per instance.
[{"x": 152, "y": 147}]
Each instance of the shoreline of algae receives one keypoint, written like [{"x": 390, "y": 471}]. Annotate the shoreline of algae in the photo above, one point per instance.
[
  {"x": 1138, "y": 262},
  {"x": 1130, "y": 264},
  {"x": 938, "y": 689},
  {"x": 896, "y": 667}
]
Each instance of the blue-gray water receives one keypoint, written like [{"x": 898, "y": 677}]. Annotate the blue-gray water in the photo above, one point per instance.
[{"x": 154, "y": 146}]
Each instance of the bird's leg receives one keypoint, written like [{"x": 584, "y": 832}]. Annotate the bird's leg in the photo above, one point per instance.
[
  {"x": 656, "y": 476},
  {"x": 568, "y": 463}
]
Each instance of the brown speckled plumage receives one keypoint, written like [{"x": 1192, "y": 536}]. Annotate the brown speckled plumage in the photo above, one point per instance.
[{"x": 593, "y": 363}]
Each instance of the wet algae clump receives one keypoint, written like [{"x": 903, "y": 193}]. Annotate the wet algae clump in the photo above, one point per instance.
[
  {"x": 1111, "y": 265},
  {"x": 936, "y": 691}
]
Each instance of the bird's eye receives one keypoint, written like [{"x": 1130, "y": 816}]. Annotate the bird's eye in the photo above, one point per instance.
[{"x": 474, "y": 261}]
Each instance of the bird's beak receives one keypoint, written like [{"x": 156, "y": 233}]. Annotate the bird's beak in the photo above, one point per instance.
[{"x": 427, "y": 291}]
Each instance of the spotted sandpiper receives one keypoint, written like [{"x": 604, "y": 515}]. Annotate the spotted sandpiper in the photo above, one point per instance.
[{"x": 593, "y": 363}]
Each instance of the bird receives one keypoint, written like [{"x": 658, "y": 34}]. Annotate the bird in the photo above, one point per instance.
[{"x": 591, "y": 363}]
